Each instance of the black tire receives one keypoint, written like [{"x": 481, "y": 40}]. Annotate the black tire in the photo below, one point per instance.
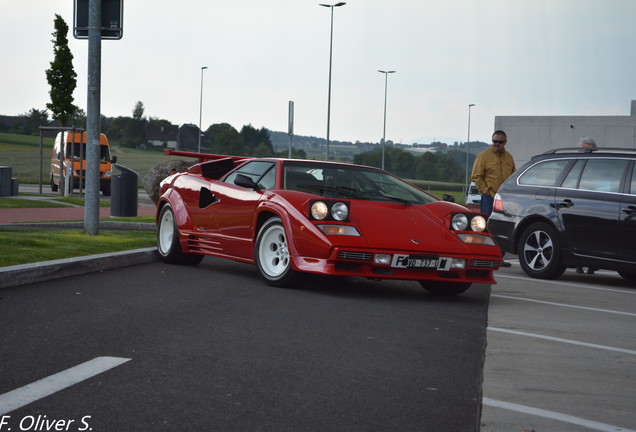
[
  {"x": 445, "y": 289},
  {"x": 168, "y": 244},
  {"x": 628, "y": 276},
  {"x": 539, "y": 252},
  {"x": 54, "y": 187},
  {"x": 271, "y": 255}
]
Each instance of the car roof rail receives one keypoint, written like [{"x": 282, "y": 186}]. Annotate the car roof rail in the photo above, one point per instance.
[{"x": 624, "y": 150}]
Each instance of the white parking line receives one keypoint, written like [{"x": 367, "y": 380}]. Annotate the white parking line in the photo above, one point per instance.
[
  {"x": 568, "y": 341},
  {"x": 572, "y": 284},
  {"x": 554, "y": 415},
  {"x": 47, "y": 386},
  {"x": 564, "y": 305}
]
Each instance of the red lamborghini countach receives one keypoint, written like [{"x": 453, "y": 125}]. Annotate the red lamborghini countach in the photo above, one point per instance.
[{"x": 293, "y": 217}]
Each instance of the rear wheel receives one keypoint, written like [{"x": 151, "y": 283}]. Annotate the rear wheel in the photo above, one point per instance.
[
  {"x": 54, "y": 187},
  {"x": 628, "y": 276},
  {"x": 445, "y": 289},
  {"x": 168, "y": 244},
  {"x": 539, "y": 252},
  {"x": 273, "y": 261}
]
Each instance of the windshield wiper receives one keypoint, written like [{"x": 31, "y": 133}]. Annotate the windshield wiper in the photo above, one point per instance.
[{"x": 402, "y": 201}]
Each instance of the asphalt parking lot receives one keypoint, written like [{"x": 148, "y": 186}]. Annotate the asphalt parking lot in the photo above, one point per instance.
[{"x": 561, "y": 354}]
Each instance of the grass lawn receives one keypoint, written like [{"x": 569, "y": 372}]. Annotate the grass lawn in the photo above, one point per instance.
[{"x": 22, "y": 246}]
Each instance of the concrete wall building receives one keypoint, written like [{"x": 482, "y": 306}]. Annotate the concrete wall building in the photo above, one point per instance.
[{"x": 532, "y": 135}]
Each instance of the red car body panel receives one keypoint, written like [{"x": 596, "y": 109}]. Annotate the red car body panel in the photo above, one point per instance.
[{"x": 222, "y": 219}]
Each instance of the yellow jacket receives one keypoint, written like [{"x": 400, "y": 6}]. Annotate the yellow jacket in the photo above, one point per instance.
[{"x": 491, "y": 169}]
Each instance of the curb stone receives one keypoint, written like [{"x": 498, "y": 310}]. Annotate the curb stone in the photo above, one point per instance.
[{"x": 23, "y": 274}]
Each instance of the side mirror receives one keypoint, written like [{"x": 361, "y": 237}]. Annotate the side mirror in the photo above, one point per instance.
[
  {"x": 114, "y": 159},
  {"x": 448, "y": 197},
  {"x": 245, "y": 181}
]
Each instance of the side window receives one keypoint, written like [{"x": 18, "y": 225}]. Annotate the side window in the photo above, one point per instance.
[
  {"x": 633, "y": 187},
  {"x": 572, "y": 179},
  {"x": 603, "y": 175},
  {"x": 544, "y": 173},
  {"x": 268, "y": 181},
  {"x": 260, "y": 172}
]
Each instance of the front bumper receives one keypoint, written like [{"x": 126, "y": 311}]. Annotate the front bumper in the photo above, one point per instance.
[{"x": 352, "y": 262}]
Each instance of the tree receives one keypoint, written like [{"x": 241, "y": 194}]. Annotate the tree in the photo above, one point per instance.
[
  {"x": 257, "y": 142},
  {"x": 138, "y": 111},
  {"x": 34, "y": 119},
  {"x": 61, "y": 76}
]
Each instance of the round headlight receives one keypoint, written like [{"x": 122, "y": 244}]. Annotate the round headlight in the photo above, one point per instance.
[
  {"x": 319, "y": 210},
  {"x": 459, "y": 222},
  {"x": 478, "y": 223},
  {"x": 340, "y": 211}
]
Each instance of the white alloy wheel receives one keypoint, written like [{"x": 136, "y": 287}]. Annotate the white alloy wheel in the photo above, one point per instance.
[
  {"x": 166, "y": 232},
  {"x": 273, "y": 253}
]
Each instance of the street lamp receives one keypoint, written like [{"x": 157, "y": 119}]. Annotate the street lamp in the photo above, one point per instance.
[
  {"x": 330, "y": 57},
  {"x": 386, "y": 78},
  {"x": 201, "y": 106},
  {"x": 467, "y": 146}
]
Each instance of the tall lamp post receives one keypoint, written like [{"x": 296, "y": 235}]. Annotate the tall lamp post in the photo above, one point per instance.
[
  {"x": 468, "y": 146},
  {"x": 330, "y": 57},
  {"x": 201, "y": 107},
  {"x": 386, "y": 79}
]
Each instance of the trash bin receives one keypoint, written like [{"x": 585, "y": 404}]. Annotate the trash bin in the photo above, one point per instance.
[
  {"x": 5, "y": 181},
  {"x": 123, "y": 200}
]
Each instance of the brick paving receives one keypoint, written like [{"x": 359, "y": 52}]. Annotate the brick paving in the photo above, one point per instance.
[{"x": 17, "y": 215}]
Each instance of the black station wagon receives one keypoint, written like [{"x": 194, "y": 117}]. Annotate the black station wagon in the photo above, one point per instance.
[{"x": 570, "y": 207}]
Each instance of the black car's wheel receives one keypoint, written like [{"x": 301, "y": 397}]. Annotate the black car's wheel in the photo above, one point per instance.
[
  {"x": 445, "y": 289},
  {"x": 539, "y": 252},
  {"x": 168, "y": 244},
  {"x": 54, "y": 187},
  {"x": 272, "y": 255},
  {"x": 628, "y": 276}
]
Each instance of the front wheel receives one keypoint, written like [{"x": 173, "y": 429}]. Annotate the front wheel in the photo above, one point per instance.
[
  {"x": 445, "y": 289},
  {"x": 539, "y": 252},
  {"x": 168, "y": 244},
  {"x": 273, "y": 261}
]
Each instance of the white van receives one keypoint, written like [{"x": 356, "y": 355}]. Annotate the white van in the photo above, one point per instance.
[{"x": 473, "y": 196}]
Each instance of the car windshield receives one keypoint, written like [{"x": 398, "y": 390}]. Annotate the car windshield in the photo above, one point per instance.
[{"x": 351, "y": 182}]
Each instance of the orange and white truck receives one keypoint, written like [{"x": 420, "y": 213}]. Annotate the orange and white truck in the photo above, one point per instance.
[{"x": 68, "y": 161}]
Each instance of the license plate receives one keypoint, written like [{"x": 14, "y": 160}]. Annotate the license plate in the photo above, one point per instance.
[{"x": 415, "y": 261}]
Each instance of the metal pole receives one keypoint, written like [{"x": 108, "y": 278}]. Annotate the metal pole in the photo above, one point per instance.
[
  {"x": 330, "y": 62},
  {"x": 467, "y": 147},
  {"x": 290, "y": 127},
  {"x": 386, "y": 79},
  {"x": 91, "y": 205},
  {"x": 41, "y": 161},
  {"x": 201, "y": 107}
]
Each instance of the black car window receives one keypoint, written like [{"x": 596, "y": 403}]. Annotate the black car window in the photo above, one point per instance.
[
  {"x": 572, "y": 179},
  {"x": 603, "y": 174},
  {"x": 633, "y": 185},
  {"x": 543, "y": 173}
]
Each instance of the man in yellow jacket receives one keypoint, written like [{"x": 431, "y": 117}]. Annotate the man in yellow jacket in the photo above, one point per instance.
[{"x": 491, "y": 168}]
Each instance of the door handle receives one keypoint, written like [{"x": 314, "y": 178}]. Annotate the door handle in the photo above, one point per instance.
[
  {"x": 564, "y": 203},
  {"x": 630, "y": 209}
]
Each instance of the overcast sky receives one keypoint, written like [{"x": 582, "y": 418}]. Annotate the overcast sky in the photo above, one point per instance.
[{"x": 508, "y": 57}]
